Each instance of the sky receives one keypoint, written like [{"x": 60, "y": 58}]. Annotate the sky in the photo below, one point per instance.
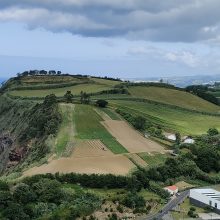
[{"x": 119, "y": 38}]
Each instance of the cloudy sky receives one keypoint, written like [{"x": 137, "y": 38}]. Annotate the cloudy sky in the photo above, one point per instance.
[{"x": 123, "y": 38}]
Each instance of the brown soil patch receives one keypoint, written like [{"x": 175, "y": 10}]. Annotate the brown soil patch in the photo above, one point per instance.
[
  {"x": 88, "y": 157},
  {"x": 131, "y": 139},
  {"x": 119, "y": 165},
  {"x": 92, "y": 148}
]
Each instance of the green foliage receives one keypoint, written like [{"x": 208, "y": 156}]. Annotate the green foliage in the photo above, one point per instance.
[
  {"x": 44, "y": 119},
  {"x": 40, "y": 197},
  {"x": 178, "y": 138},
  {"x": 212, "y": 131},
  {"x": 68, "y": 97},
  {"x": 101, "y": 103},
  {"x": 24, "y": 194},
  {"x": 133, "y": 200},
  {"x": 183, "y": 121},
  {"x": 139, "y": 123}
]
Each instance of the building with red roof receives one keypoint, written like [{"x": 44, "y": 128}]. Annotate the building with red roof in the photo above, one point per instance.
[{"x": 172, "y": 189}]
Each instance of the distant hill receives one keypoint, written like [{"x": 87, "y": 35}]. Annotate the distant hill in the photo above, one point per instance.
[{"x": 183, "y": 81}]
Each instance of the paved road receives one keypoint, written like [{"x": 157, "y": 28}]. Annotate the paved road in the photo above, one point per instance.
[{"x": 169, "y": 206}]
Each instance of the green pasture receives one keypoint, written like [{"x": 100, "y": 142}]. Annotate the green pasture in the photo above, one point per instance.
[
  {"x": 88, "y": 126},
  {"x": 173, "y": 97},
  {"x": 185, "y": 122},
  {"x": 65, "y": 135},
  {"x": 153, "y": 159},
  {"x": 59, "y": 92}
]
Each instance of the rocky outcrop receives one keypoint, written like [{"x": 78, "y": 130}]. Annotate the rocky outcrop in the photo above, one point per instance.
[{"x": 6, "y": 144}]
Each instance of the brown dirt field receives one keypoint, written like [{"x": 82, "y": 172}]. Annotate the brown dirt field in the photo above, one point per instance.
[
  {"x": 119, "y": 165},
  {"x": 92, "y": 148},
  {"x": 131, "y": 139},
  {"x": 87, "y": 157}
]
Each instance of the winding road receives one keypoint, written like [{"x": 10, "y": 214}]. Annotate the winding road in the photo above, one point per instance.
[{"x": 169, "y": 206}]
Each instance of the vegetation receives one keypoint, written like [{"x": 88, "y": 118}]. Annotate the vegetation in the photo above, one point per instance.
[
  {"x": 161, "y": 107},
  {"x": 172, "y": 97},
  {"x": 45, "y": 199},
  {"x": 101, "y": 103},
  {"x": 185, "y": 122},
  {"x": 88, "y": 127},
  {"x": 202, "y": 92}
]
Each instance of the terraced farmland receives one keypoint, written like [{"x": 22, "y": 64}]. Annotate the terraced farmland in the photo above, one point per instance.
[
  {"x": 186, "y": 122},
  {"x": 173, "y": 97}
]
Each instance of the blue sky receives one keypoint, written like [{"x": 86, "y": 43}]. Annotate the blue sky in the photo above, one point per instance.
[{"x": 132, "y": 38}]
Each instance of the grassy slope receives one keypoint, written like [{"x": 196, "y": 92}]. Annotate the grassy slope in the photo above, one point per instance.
[
  {"x": 183, "y": 121},
  {"x": 153, "y": 159},
  {"x": 65, "y": 135},
  {"x": 173, "y": 97},
  {"x": 89, "y": 88},
  {"x": 88, "y": 126}
]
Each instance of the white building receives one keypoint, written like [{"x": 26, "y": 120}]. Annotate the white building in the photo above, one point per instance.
[
  {"x": 188, "y": 141},
  {"x": 172, "y": 189},
  {"x": 206, "y": 197},
  {"x": 171, "y": 137}
]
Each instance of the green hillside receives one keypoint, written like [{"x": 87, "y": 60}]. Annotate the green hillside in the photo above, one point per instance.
[
  {"x": 184, "y": 117},
  {"x": 59, "y": 92},
  {"x": 173, "y": 97},
  {"x": 186, "y": 122},
  {"x": 40, "y": 86}
]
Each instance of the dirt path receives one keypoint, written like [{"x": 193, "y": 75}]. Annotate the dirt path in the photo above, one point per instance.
[{"x": 131, "y": 139}]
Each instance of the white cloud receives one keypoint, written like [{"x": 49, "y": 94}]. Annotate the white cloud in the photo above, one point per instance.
[
  {"x": 167, "y": 21},
  {"x": 184, "y": 57}
]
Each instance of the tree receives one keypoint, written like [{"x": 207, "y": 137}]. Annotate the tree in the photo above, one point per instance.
[
  {"x": 212, "y": 132},
  {"x": 50, "y": 100},
  {"x": 133, "y": 200},
  {"x": 101, "y": 103},
  {"x": 178, "y": 138},
  {"x": 84, "y": 98},
  {"x": 139, "y": 123},
  {"x": 24, "y": 194},
  {"x": 68, "y": 97}
]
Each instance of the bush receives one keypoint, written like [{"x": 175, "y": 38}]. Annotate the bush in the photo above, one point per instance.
[
  {"x": 133, "y": 200},
  {"x": 101, "y": 103}
]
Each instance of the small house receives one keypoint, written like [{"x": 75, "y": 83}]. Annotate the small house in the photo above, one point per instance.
[{"x": 172, "y": 189}]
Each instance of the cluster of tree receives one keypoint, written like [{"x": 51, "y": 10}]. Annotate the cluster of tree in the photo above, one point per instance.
[
  {"x": 42, "y": 120},
  {"x": 205, "y": 152},
  {"x": 107, "y": 78},
  {"x": 138, "y": 122},
  {"x": 38, "y": 72},
  {"x": 155, "y": 84},
  {"x": 46, "y": 197},
  {"x": 84, "y": 98},
  {"x": 202, "y": 92},
  {"x": 192, "y": 213}
]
